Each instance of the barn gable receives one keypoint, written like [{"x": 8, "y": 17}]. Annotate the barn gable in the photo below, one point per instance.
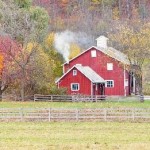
[
  {"x": 111, "y": 52},
  {"x": 87, "y": 72},
  {"x": 93, "y": 47},
  {"x": 90, "y": 74}
]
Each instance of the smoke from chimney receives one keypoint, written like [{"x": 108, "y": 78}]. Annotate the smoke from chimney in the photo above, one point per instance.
[
  {"x": 62, "y": 43},
  {"x": 64, "y": 39}
]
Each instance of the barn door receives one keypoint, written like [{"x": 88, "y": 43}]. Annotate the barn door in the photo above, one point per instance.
[
  {"x": 94, "y": 89},
  {"x": 99, "y": 89},
  {"x": 102, "y": 89}
]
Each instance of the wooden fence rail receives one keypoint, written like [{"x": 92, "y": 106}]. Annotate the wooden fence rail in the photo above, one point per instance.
[
  {"x": 58, "y": 114},
  {"x": 86, "y": 98},
  {"x": 69, "y": 98},
  {"x": 53, "y": 98}
]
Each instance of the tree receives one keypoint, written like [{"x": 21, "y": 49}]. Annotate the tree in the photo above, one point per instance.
[
  {"x": 40, "y": 73},
  {"x": 55, "y": 58},
  {"x": 23, "y": 26},
  {"x": 134, "y": 42},
  {"x": 74, "y": 50},
  {"x": 23, "y": 3}
]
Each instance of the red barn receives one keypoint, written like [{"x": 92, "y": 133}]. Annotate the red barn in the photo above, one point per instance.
[{"x": 99, "y": 70}]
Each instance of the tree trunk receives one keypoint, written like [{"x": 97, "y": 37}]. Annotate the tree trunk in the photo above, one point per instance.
[
  {"x": 1, "y": 95},
  {"x": 128, "y": 9},
  {"x": 120, "y": 9},
  {"x": 140, "y": 86},
  {"x": 22, "y": 90},
  {"x": 141, "y": 90}
]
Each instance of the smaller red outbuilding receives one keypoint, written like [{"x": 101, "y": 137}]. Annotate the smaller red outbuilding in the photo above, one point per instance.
[{"x": 80, "y": 78}]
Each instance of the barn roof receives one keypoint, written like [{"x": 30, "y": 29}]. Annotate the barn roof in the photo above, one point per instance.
[
  {"x": 115, "y": 54},
  {"x": 90, "y": 74},
  {"x": 86, "y": 71},
  {"x": 110, "y": 52}
]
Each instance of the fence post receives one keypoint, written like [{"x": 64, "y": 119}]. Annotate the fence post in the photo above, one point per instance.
[
  {"x": 51, "y": 98},
  {"x": 49, "y": 115},
  {"x": 77, "y": 114},
  {"x": 72, "y": 98},
  {"x": 96, "y": 98},
  {"x": 105, "y": 114},
  {"x": 34, "y": 97},
  {"x": 133, "y": 114},
  {"x": 21, "y": 114},
  {"x": 141, "y": 98}
]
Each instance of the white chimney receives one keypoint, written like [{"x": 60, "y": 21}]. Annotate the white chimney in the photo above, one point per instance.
[{"x": 102, "y": 42}]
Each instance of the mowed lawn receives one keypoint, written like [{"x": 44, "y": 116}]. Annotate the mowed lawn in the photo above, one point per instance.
[
  {"x": 103, "y": 104},
  {"x": 74, "y": 136}
]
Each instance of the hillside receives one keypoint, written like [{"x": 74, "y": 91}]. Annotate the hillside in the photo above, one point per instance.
[
  {"x": 97, "y": 17},
  {"x": 45, "y": 30}
]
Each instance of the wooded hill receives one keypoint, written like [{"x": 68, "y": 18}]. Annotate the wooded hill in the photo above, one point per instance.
[
  {"x": 93, "y": 16},
  {"x": 32, "y": 29},
  {"x": 117, "y": 19}
]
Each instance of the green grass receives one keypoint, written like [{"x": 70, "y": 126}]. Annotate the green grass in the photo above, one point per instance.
[
  {"x": 74, "y": 136},
  {"x": 103, "y": 104}
]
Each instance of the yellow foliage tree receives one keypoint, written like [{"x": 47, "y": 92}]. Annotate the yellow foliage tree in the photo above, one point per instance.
[
  {"x": 50, "y": 40},
  {"x": 74, "y": 50},
  {"x": 42, "y": 71},
  {"x": 135, "y": 44},
  {"x": 115, "y": 13},
  {"x": 55, "y": 58}
]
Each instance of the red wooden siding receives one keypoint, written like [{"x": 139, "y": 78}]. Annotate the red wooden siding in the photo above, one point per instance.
[
  {"x": 85, "y": 84},
  {"x": 99, "y": 65}
]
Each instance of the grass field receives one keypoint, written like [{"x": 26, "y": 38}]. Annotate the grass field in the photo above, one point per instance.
[
  {"x": 74, "y": 136},
  {"x": 103, "y": 104}
]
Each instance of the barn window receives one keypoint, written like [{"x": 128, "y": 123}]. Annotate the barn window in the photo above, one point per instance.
[
  {"x": 74, "y": 86},
  {"x": 109, "y": 66},
  {"x": 126, "y": 82},
  {"x": 109, "y": 83},
  {"x": 93, "y": 53},
  {"x": 74, "y": 72}
]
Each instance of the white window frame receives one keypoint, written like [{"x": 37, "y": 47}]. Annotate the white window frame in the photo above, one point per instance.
[
  {"x": 109, "y": 66},
  {"x": 106, "y": 84},
  {"x": 74, "y": 72},
  {"x": 75, "y": 84},
  {"x": 126, "y": 82},
  {"x": 93, "y": 53}
]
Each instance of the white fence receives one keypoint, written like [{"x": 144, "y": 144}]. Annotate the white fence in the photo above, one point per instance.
[{"x": 53, "y": 114}]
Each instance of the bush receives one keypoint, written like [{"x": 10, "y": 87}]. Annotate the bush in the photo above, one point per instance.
[
  {"x": 146, "y": 89},
  {"x": 58, "y": 91}
]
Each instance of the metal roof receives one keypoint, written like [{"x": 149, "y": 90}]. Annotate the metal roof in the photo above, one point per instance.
[
  {"x": 115, "y": 54},
  {"x": 110, "y": 52},
  {"x": 88, "y": 72}
]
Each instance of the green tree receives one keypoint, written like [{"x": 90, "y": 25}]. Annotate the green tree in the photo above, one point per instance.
[
  {"x": 23, "y": 3},
  {"x": 55, "y": 57}
]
